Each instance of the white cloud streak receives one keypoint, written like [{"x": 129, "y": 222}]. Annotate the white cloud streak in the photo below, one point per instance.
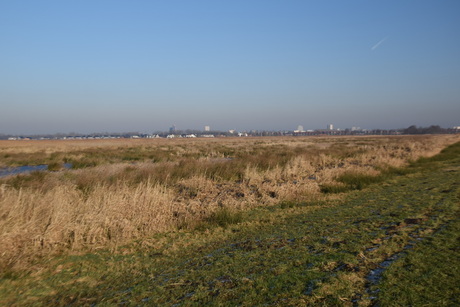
[{"x": 378, "y": 44}]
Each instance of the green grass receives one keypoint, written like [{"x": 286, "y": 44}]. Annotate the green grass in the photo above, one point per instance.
[
  {"x": 222, "y": 218},
  {"x": 293, "y": 254},
  {"x": 428, "y": 275},
  {"x": 357, "y": 181},
  {"x": 354, "y": 181}
]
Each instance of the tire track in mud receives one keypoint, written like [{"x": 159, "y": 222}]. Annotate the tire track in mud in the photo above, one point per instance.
[{"x": 374, "y": 277}]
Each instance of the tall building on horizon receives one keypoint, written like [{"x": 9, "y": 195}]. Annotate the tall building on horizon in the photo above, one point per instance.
[
  {"x": 172, "y": 129},
  {"x": 207, "y": 128},
  {"x": 330, "y": 127}
]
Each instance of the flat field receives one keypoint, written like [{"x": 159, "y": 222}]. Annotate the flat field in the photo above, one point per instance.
[{"x": 232, "y": 221}]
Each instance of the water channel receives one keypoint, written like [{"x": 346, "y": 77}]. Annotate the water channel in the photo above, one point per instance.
[{"x": 9, "y": 171}]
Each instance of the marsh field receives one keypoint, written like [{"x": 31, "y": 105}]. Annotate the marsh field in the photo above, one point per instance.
[{"x": 284, "y": 221}]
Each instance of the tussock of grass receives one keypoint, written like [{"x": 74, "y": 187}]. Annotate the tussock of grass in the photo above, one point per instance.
[
  {"x": 335, "y": 188},
  {"x": 35, "y": 179},
  {"x": 55, "y": 166},
  {"x": 82, "y": 163},
  {"x": 222, "y": 217},
  {"x": 357, "y": 181},
  {"x": 288, "y": 204}
]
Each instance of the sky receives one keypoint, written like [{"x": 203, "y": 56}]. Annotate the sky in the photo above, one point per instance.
[{"x": 118, "y": 66}]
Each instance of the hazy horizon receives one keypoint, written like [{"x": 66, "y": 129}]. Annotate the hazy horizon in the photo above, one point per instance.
[
  {"x": 96, "y": 66},
  {"x": 198, "y": 130}
]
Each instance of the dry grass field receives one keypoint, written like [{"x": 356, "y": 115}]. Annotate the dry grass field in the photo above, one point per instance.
[{"x": 121, "y": 190}]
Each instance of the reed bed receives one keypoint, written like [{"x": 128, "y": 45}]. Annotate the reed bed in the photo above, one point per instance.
[{"x": 136, "y": 188}]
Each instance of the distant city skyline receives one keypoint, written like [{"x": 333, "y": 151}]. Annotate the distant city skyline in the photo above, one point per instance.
[
  {"x": 187, "y": 134},
  {"x": 173, "y": 130},
  {"x": 94, "y": 66}
]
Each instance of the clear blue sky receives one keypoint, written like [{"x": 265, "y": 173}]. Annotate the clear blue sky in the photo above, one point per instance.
[{"x": 96, "y": 66}]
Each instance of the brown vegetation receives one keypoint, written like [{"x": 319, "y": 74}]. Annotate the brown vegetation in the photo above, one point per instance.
[{"x": 127, "y": 189}]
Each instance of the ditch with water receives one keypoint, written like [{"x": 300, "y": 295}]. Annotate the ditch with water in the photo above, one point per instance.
[{"x": 10, "y": 171}]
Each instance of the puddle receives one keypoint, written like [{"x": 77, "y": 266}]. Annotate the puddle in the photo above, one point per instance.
[
  {"x": 11, "y": 171},
  {"x": 375, "y": 276},
  {"x": 372, "y": 248},
  {"x": 312, "y": 285},
  {"x": 22, "y": 170}
]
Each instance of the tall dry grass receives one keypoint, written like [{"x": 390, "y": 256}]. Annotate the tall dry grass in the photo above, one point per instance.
[{"x": 113, "y": 203}]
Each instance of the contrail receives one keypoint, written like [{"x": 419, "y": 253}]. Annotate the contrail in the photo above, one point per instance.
[{"x": 378, "y": 44}]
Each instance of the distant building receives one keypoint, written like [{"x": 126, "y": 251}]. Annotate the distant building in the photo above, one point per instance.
[
  {"x": 172, "y": 129},
  {"x": 299, "y": 129},
  {"x": 207, "y": 128},
  {"x": 330, "y": 127}
]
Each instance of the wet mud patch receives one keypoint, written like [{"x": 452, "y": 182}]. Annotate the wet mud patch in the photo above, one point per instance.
[{"x": 375, "y": 275}]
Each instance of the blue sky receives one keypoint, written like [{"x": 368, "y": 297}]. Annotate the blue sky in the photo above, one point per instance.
[{"x": 96, "y": 66}]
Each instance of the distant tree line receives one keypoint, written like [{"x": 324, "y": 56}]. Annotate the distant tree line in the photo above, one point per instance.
[{"x": 433, "y": 129}]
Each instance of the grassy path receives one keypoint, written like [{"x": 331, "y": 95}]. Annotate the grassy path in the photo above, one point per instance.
[{"x": 396, "y": 243}]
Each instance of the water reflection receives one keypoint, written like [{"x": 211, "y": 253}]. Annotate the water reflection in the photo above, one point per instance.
[{"x": 27, "y": 169}]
